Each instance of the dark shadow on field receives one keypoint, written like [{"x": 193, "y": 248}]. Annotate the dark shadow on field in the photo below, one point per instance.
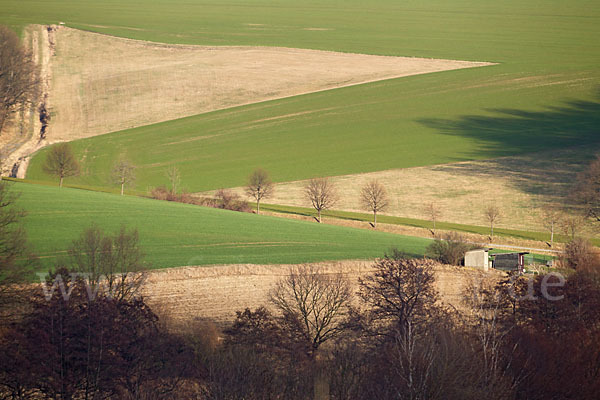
[{"x": 548, "y": 148}]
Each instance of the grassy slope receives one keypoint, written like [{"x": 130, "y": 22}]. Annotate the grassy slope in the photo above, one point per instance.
[
  {"x": 542, "y": 95},
  {"x": 175, "y": 234}
]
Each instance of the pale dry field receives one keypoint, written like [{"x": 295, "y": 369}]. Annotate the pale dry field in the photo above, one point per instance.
[
  {"x": 520, "y": 186},
  {"x": 215, "y": 293},
  {"x": 102, "y": 84}
]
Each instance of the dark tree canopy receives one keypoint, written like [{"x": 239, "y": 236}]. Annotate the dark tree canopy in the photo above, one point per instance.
[
  {"x": 19, "y": 76},
  {"x": 61, "y": 162}
]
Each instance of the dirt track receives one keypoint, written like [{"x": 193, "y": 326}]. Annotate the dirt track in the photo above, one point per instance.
[{"x": 189, "y": 293}]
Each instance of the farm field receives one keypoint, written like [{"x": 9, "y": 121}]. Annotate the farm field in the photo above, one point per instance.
[
  {"x": 543, "y": 95},
  {"x": 173, "y": 234},
  {"x": 464, "y": 124},
  {"x": 521, "y": 186},
  {"x": 149, "y": 82},
  {"x": 187, "y": 294}
]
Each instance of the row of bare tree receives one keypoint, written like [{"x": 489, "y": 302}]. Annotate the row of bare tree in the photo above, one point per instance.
[{"x": 321, "y": 193}]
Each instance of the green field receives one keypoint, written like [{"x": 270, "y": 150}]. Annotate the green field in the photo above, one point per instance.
[
  {"x": 419, "y": 223},
  {"x": 543, "y": 94},
  {"x": 173, "y": 234}
]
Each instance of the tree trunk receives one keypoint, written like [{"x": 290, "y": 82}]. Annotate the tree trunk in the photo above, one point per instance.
[
  {"x": 60, "y": 183},
  {"x": 258, "y": 206},
  {"x": 374, "y": 219},
  {"x": 551, "y": 235},
  {"x": 321, "y": 387},
  {"x": 319, "y": 215},
  {"x": 492, "y": 227},
  {"x": 122, "y": 187}
]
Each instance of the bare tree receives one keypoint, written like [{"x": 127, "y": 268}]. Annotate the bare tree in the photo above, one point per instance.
[
  {"x": 551, "y": 216},
  {"x": 487, "y": 301},
  {"x": 400, "y": 295},
  {"x": 313, "y": 304},
  {"x": 573, "y": 224},
  {"x": 112, "y": 263},
  {"x": 61, "y": 162},
  {"x": 15, "y": 258},
  {"x": 174, "y": 178},
  {"x": 123, "y": 173},
  {"x": 433, "y": 212},
  {"x": 586, "y": 191},
  {"x": 19, "y": 76},
  {"x": 373, "y": 197},
  {"x": 259, "y": 186},
  {"x": 492, "y": 214},
  {"x": 321, "y": 193}
]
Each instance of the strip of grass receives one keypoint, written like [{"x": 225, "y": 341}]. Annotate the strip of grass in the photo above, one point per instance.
[
  {"x": 419, "y": 223},
  {"x": 174, "y": 234}
]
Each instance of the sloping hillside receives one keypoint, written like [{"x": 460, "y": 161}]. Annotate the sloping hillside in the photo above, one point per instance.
[{"x": 174, "y": 234}]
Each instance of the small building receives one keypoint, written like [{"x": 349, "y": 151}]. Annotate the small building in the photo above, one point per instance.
[
  {"x": 479, "y": 258},
  {"x": 509, "y": 261}
]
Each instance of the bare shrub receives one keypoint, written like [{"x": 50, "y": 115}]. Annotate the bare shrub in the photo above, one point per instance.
[
  {"x": 580, "y": 255},
  {"x": 174, "y": 178},
  {"x": 162, "y": 193},
  {"x": 228, "y": 200},
  {"x": 224, "y": 199},
  {"x": 450, "y": 249}
]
